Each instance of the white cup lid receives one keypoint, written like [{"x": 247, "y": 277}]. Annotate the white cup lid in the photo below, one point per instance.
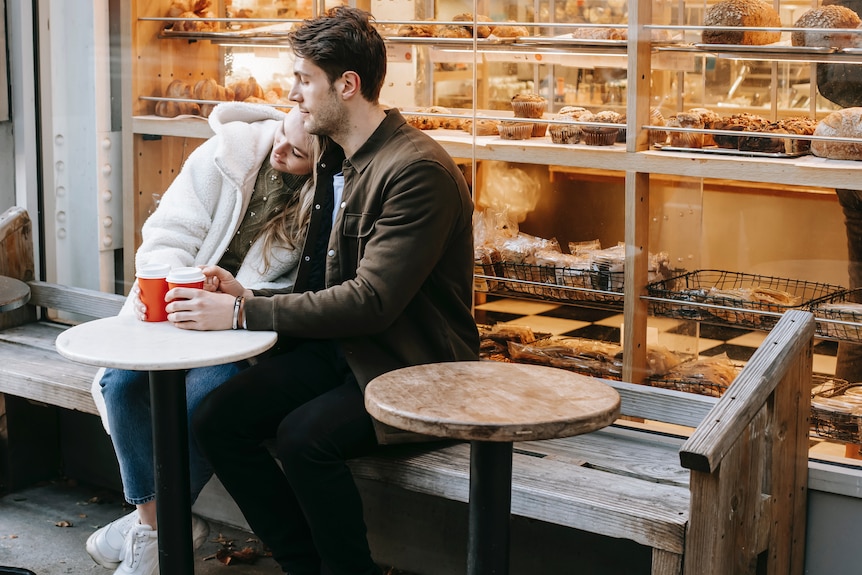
[
  {"x": 153, "y": 271},
  {"x": 186, "y": 275}
]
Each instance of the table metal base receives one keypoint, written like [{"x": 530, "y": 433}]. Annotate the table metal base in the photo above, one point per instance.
[
  {"x": 171, "y": 461},
  {"x": 489, "y": 508}
]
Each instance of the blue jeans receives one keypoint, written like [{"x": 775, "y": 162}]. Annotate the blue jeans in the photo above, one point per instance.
[
  {"x": 849, "y": 364},
  {"x": 127, "y": 400}
]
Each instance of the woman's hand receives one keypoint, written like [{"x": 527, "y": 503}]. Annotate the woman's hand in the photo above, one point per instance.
[
  {"x": 139, "y": 307},
  {"x": 199, "y": 309}
]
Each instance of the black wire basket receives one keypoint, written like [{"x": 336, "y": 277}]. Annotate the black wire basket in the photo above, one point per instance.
[
  {"x": 843, "y": 306},
  {"x": 717, "y": 296}
]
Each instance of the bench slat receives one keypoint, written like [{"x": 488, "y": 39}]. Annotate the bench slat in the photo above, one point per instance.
[
  {"x": 69, "y": 299},
  {"x": 42, "y": 375},
  {"x": 622, "y": 452},
  {"x": 556, "y": 491}
]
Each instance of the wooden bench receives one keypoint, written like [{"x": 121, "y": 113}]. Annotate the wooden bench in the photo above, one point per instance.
[
  {"x": 721, "y": 489},
  {"x": 30, "y": 367},
  {"x": 729, "y": 498}
]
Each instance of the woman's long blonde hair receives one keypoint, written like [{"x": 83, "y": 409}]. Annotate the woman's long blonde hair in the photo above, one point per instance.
[{"x": 289, "y": 227}]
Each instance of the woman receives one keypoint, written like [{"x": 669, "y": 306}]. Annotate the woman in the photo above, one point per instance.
[{"x": 242, "y": 201}]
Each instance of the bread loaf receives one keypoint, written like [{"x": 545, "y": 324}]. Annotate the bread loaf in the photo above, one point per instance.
[
  {"x": 741, "y": 13},
  {"x": 846, "y": 123},
  {"x": 827, "y": 17}
]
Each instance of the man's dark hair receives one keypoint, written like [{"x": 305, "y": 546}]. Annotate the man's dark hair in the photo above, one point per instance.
[{"x": 344, "y": 39}]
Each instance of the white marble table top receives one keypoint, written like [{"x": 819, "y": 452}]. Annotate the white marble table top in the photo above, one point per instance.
[{"x": 124, "y": 342}]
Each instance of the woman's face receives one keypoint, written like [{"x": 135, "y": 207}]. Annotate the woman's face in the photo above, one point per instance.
[{"x": 291, "y": 149}]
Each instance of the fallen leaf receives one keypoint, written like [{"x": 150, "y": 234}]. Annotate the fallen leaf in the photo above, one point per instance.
[{"x": 63, "y": 524}]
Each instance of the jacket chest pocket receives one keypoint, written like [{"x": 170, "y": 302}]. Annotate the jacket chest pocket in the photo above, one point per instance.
[
  {"x": 358, "y": 226},
  {"x": 356, "y": 229}
]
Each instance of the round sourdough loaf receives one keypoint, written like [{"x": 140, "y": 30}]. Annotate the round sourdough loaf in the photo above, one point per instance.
[
  {"x": 741, "y": 13},
  {"x": 846, "y": 123},
  {"x": 827, "y": 17}
]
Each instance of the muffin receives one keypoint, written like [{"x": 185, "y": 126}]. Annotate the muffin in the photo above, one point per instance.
[
  {"x": 540, "y": 129},
  {"x": 528, "y": 105},
  {"x": 564, "y": 133},
  {"x": 602, "y": 135},
  {"x": 515, "y": 130}
]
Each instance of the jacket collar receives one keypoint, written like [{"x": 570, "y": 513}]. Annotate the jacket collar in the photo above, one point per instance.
[{"x": 390, "y": 124}]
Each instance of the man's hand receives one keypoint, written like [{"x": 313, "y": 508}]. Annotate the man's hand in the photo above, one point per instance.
[
  {"x": 221, "y": 280},
  {"x": 198, "y": 309}
]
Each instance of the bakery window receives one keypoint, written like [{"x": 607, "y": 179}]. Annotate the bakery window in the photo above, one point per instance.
[{"x": 707, "y": 159}]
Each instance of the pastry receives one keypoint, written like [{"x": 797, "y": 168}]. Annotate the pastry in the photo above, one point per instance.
[
  {"x": 482, "y": 30},
  {"x": 451, "y": 31},
  {"x": 245, "y": 89},
  {"x": 656, "y": 118},
  {"x": 416, "y": 30},
  {"x": 737, "y": 123},
  {"x": 685, "y": 139},
  {"x": 515, "y": 130},
  {"x": 421, "y": 121},
  {"x": 600, "y": 34},
  {"x": 790, "y": 126},
  {"x": 601, "y": 135},
  {"x": 709, "y": 119},
  {"x": 483, "y": 127},
  {"x": 509, "y": 31},
  {"x": 846, "y": 123},
  {"x": 565, "y": 132},
  {"x": 827, "y": 17},
  {"x": 179, "y": 90},
  {"x": 741, "y": 13},
  {"x": 528, "y": 105}
]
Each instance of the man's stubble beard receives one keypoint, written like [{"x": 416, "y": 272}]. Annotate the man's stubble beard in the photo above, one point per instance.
[{"x": 330, "y": 119}]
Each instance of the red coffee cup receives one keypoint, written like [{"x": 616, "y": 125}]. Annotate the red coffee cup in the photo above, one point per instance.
[
  {"x": 153, "y": 285},
  {"x": 186, "y": 277}
]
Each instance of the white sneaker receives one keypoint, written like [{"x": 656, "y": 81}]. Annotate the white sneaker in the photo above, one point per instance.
[
  {"x": 105, "y": 544},
  {"x": 140, "y": 555}
]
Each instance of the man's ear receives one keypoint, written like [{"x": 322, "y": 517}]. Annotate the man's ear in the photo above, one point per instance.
[{"x": 350, "y": 84}]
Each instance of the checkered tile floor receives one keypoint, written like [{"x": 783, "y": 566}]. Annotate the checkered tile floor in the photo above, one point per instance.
[{"x": 678, "y": 335}]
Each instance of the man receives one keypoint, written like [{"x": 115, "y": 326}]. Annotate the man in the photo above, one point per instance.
[{"x": 391, "y": 286}]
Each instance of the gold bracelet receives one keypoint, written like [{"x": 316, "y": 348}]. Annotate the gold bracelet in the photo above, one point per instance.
[{"x": 237, "y": 304}]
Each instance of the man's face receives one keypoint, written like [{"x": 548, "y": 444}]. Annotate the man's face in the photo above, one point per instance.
[
  {"x": 291, "y": 146},
  {"x": 322, "y": 108}
]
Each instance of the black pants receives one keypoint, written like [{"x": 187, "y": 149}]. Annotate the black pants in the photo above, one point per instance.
[
  {"x": 309, "y": 512},
  {"x": 849, "y": 361}
]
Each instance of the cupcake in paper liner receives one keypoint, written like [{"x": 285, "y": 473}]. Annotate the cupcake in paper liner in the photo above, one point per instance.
[
  {"x": 601, "y": 135},
  {"x": 528, "y": 105},
  {"x": 540, "y": 129},
  {"x": 564, "y": 133},
  {"x": 515, "y": 130}
]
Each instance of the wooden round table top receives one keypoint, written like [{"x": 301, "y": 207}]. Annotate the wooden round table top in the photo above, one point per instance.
[
  {"x": 13, "y": 293},
  {"x": 491, "y": 401}
]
